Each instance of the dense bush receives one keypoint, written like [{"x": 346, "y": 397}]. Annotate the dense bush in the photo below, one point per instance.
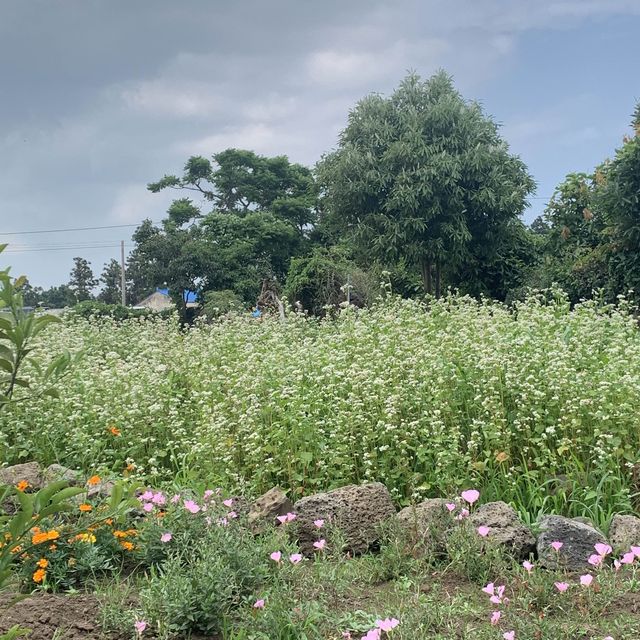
[{"x": 537, "y": 405}]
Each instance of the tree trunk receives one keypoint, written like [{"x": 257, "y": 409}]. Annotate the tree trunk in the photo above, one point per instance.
[
  {"x": 438, "y": 279},
  {"x": 427, "y": 282}
]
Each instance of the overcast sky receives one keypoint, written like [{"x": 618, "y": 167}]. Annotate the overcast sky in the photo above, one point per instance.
[{"x": 99, "y": 97}]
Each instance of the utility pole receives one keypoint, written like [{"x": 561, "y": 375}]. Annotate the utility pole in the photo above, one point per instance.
[{"x": 123, "y": 278}]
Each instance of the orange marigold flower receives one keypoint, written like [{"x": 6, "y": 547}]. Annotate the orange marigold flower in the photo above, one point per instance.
[
  {"x": 126, "y": 545},
  {"x": 85, "y": 507},
  {"x": 114, "y": 431},
  {"x": 39, "y": 575},
  {"x": 93, "y": 480},
  {"x": 43, "y": 563},
  {"x": 23, "y": 485},
  {"x": 39, "y": 537},
  {"x": 17, "y": 549},
  {"x": 120, "y": 534},
  {"x": 109, "y": 521}
]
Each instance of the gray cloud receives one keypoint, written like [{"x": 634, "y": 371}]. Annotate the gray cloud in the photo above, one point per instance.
[{"x": 100, "y": 97}]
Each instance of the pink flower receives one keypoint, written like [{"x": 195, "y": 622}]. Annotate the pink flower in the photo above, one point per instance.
[
  {"x": 346, "y": 635},
  {"x": 557, "y": 545},
  {"x": 166, "y": 537},
  {"x": 387, "y": 624},
  {"x": 159, "y": 498},
  {"x": 140, "y": 626},
  {"x": 509, "y": 635},
  {"x": 483, "y": 531},
  {"x": 586, "y": 580},
  {"x": 463, "y": 514},
  {"x": 636, "y": 551},
  {"x": 628, "y": 558},
  {"x": 147, "y": 506},
  {"x": 602, "y": 549},
  {"x": 207, "y": 494},
  {"x": 191, "y": 506},
  {"x": 528, "y": 566},
  {"x": 561, "y": 586},
  {"x": 147, "y": 495},
  {"x": 596, "y": 560},
  {"x": 617, "y": 564},
  {"x": 288, "y": 517},
  {"x": 281, "y": 519},
  {"x": 228, "y": 502},
  {"x": 495, "y": 617},
  {"x": 489, "y": 589},
  {"x": 373, "y": 634},
  {"x": 232, "y": 515},
  {"x": 320, "y": 523},
  {"x": 451, "y": 506},
  {"x": 276, "y": 556},
  {"x": 294, "y": 558},
  {"x": 258, "y": 604},
  {"x": 319, "y": 544},
  {"x": 470, "y": 495}
]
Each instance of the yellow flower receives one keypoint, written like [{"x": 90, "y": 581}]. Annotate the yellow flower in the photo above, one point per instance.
[
  {"x": 85, "y": 507},
  {"x": 93, "y": 480},
  {"x": 23, "y": 485},
  {"x": 39, "y": 575},
  {"x": 89, "y": 538},
  {"x": 120, "y": 534},
  {"x": 43, "y": 563}
]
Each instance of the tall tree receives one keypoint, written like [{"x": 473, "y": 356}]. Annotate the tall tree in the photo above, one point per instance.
[
  {"x": 111, "y": 280},
  {"x": 618, "y": 195},
  {"x": 423, "y": 175},
  {"x": 81, "y": 280}
]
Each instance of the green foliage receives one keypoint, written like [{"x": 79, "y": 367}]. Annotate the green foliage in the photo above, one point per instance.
[
  {"x": 111, "y": 280},
  {"x": 423, "y": 175},
  {"x": 91, "y": 308},
  {"x": 220, "y": 303},
  {"x": 81, "y": 280},
  {"x": 320, "y": 281}
]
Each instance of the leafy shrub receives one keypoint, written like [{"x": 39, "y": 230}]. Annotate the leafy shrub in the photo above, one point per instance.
[
  {"x": 92, "y": 308},
  {"x": 220, "y": 303}
]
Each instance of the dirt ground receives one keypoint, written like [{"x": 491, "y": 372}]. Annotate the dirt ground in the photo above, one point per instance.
[{"x": 73, "y": 617}]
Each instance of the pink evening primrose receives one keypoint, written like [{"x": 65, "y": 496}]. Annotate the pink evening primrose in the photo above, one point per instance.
[
  {"x": 232, "y": 515},
  {"x": 295, "y": 558},
  {"x": 450, "y": 506},
  {"x": 463, "y": 514},
  {"x": 207, "y": 494},
  {"x": 602, "y": 549},
  {"x": 228, "y": 502},
  {"x": 528, "y": 566},
  {"x": 561, "y": 586},
  {"x": 636, "y": 551},
  {"x": 483, "y": 531},
  {"x": 166, "y": 537},
  {"x": 258, "y": 604},
  {"x": 191, "y": 506},
  {"x": 557, "y": 545},
  {"x": 470, "y": 495},
  {"x": 489, "y": 589},
  {"x": 276, "y": 556},
  {"x": 319, "y": 524},
  {"x": 586, "y": 580},
  {"x": 497, "y": 597},
  {"x": 140, "y": 626},
  {"x": 495, "y": 617},
  {"x": 387, "y": 624},
  {"x": 319, "y": 544},
  {"x": 509, "y": 635},
  {"x": 628, "y": 558},
  {"x": 373, "y": 634},
  {"x": 617, "y": 564},
  {"x": 595, "y": 560}
]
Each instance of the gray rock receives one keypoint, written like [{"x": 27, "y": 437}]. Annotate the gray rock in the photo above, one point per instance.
[
  {"x": 29, "y": 471},
  {"x": 355, "y": 510},
  {"x": 55, "y": 472},
  {"x": 426, "y": 522},
  {"x": 267, "y": 507},
  {"x": 101, "y": 490},
  {"x": 578, "y": 543},
  {"x": 505, "y": 528},
  {"x": 624, "y": 532}
]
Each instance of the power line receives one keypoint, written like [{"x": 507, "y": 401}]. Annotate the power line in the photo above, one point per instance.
[
  {"x": 111, "y": 226},
  {"x": 62, "y": 248}
]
